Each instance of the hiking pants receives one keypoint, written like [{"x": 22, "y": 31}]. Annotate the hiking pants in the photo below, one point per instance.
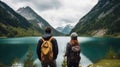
[{"x": 50, "y": 64}]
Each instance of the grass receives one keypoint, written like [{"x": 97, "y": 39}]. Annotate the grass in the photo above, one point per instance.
[{"x": 107, "y": 63}]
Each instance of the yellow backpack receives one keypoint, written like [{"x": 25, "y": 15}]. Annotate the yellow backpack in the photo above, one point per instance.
[{"x": 46, "y": 50}]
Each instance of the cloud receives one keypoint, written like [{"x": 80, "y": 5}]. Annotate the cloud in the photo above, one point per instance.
[
  {"x": 57, "y": 12},
  {"x": 46, "y": 4},
  {"x": 41, "y": 5},
  {"x": 70, "y": 12}
]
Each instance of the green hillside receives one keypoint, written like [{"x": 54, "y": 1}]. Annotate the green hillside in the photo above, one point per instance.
[
  {"x": 102, "y": 20},
  {"x": 14, "y": 25}
]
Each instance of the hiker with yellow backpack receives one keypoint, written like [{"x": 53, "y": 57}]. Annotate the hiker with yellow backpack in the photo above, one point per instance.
[{"x": 47, "y": 49}]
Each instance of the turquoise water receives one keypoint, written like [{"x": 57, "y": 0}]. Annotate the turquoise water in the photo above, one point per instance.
[{"x": 92, "y": 48}]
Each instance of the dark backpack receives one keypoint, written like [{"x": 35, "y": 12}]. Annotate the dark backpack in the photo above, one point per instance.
[{"x": 74, "y": 53}]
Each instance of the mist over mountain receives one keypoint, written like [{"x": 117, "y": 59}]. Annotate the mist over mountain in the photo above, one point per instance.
[
  {"x": 59, "y": 29},
  {"x": 35, "y": 19},
  {"x": 102, "y": 20}
]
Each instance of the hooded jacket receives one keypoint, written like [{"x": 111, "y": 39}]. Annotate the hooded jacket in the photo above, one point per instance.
[{"x": 54, "y": 45}]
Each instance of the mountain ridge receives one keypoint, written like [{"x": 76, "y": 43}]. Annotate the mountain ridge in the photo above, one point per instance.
[
  {"x": 103, "y": 18},
  {"x": 14, "y": 25},
  {"x": 35, "y": 19},
  {"x": 65, "y": 30}
]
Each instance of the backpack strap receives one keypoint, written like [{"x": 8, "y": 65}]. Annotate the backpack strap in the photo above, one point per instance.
[
  {"x": 50, "y": 38},
  {"x": 43, "y": 39}
]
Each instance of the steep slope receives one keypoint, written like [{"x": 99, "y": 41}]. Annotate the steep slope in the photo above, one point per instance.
[
  {"x": 103, "y": 19},
  {"x": 35, "y": 19},
  {"x": 12, "y": 24}
]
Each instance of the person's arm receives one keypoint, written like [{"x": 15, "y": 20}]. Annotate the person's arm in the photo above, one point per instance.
[
  {"x": 39, "y": 49},
  {"x": 67, "y": 50},
  {"x": 55, "y": 48}
]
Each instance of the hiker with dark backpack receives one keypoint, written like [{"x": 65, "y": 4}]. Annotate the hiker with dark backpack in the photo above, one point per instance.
[
  {"x": 47, "y": 49},
  {"x": 73, "y": 51}
]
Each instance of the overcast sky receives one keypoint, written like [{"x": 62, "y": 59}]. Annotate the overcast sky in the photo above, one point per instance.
[{"x": 56, "y": 12}]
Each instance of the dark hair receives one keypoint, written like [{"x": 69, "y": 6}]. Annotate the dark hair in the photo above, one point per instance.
[{"x": 48, "y": 29}]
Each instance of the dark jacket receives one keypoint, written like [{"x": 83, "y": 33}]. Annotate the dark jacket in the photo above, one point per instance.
[
  {"x": 68, "y": 52},
  {"x": 68, "y": 48},
  {"x": 54, "y": 43}
]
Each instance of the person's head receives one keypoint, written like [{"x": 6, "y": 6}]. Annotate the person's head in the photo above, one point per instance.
[
  {"x": 74, "y": 40},
  {"x": 74, "y": 36},
  {"x": 48, "y": 30}
]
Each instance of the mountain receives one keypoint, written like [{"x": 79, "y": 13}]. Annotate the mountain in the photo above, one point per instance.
[
  {"x": 102, "y": 20},
  {"x": 60, "y": 29},
  {"x": 65, "y": 30},
  {"x": 35, "y": 19},
  {"x": 12, "y": 24}
]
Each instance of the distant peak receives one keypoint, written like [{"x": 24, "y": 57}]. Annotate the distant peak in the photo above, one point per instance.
[
  {"x": 27, "y": 7},
  {"x": 20, "y": 8},
  {"x": 24, "y": 8}
]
